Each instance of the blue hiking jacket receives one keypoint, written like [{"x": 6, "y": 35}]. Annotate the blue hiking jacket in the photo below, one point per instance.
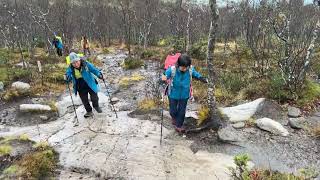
[
  {"x": 58, "y": 44},
  {"x": 180, "y": 88},
  {"x": 88, "y": 71}
]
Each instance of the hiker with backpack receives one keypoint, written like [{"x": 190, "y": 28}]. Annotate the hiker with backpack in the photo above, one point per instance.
[
  {"x": 82, "y": 73},
  {"x": 57, "y": 42},
  {"x": 179, "y": 77},
  {"x": 85, "y": 45}
]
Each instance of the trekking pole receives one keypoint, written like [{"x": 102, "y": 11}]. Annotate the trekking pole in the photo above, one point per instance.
[
  {"x": 74, "y": 107},
  {"x": 104, "y": 82},
  {"x": 162, "y": 104}
]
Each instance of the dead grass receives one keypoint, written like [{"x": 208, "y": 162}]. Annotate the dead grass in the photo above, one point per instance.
[
  {"x": 316, "y": 131},
  {"x": 203, "y": 114},
  {"x": 147, "y": 104},
  {"x": 126, "y": 81}
]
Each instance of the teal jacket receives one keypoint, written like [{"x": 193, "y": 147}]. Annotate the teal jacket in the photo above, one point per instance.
[
  {"x": 88, "y": 71},
  {"x": 180, "y": 87}
]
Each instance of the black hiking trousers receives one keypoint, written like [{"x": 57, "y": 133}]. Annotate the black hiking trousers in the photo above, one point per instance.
[
  {"x": 84, "y": 90},
  {"x": 59, "y": 51}
]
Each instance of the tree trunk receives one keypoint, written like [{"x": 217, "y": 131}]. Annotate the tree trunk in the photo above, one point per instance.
[
  {"x": 210, "y": 61},
  {"x": 188, "y": 43}
]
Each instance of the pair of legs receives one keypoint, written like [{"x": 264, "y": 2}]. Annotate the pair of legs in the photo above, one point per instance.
[
  {"x": 178, "y": 110},
  {"x": 86, "y": 51},
  {"x": 59, "y": 51},
  {"x": 84, "y": 90}
]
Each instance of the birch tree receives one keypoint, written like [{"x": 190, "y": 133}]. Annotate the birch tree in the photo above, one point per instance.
[{"x": 214, "y": 15}]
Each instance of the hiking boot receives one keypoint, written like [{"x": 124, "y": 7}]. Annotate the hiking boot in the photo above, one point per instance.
[
  {"x": 88, "y": 114},
  {"x": 180, "y": 130},
  {"x": 98, "y": 109}
]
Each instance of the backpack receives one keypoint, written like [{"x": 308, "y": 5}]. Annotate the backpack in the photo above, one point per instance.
[{"x": 170, "y": 62}]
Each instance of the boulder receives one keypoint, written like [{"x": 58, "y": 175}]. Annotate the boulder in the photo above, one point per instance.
[
  {"x": 34, "y": 107},
  {"x": 21, "y": 86},
  {"x": 241, "y": 112},
  {"x": 272, "y": 126}
]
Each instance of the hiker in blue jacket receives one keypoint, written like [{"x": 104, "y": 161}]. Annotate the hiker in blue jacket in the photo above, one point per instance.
[
  {"x": 179, "y": 87},
  {"x": 82, "y": 73},
  {"x": 57, "y": 42}
]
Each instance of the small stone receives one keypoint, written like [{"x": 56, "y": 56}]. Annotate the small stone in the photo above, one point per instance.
[
  {"x": 146, "y": 135},
  {"x": 167, "y": 171},
  {"x": 296, "y": 123},
  {"x": 239, "y": 125},
  {"x": 44, "y": 118},
  {"x": 115, "y": 100},
  {"x": 294, "y": 112}
]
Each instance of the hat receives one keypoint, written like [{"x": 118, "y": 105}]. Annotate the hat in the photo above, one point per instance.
[{"x": 74, "y": 57}]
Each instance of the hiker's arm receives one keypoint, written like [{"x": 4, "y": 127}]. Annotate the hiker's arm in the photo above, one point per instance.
[
  {"x": 167, "y": 75},
  {"x": 68, "y": 75},
  {"x": 198, "y": 76},
  {"x": 94, "y": 70}
]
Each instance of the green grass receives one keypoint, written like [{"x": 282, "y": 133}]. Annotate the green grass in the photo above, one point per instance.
[
  {"x": 13, "y": 169},
  {"x": 3, "y": 74},
  {"x": 5, "y": 150},
  {"x": 309, "y": 93}
]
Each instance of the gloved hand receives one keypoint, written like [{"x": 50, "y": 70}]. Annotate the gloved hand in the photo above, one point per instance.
[
  {"x": 66, "y": 78},
  {"x": 203, "y": 79},
  {"x": 101, "y": 76}
]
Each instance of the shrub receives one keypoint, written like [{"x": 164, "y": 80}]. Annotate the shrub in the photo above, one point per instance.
[
  {"x": 37, "y": 165},
  {"x": 199, "y": 50},
  {"x": 276, "y": 88},
  {"x": 232, "y": 82},
  {"x": 148, "y": 53},
  {"x": 203, "y": 115},
  {"x": 132, "y": 63},
  {"x": 310, "y": 92},
  {"x": 12, "y": 94}
]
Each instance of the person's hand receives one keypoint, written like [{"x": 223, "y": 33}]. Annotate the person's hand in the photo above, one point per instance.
[
  {"x": 101, "y": 76},
  {"x": 163, "y": 78},
  {"x": 204, "y": 80},
  {"x": 66, "y": 78}
]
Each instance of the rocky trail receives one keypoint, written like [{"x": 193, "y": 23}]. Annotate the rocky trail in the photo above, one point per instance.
[{"x": 127, "y": 147}]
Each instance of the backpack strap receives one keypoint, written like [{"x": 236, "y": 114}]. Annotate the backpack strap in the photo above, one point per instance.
[{"x": 190, "y": 73}]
